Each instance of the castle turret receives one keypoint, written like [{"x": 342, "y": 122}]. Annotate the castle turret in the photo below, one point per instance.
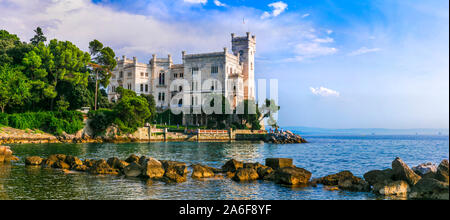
[{"x": 245, "y": 48}]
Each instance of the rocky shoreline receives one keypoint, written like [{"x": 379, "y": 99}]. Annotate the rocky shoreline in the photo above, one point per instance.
[
  {"x": 10, "y": 135},
  {"x": 424, "y": 181}
]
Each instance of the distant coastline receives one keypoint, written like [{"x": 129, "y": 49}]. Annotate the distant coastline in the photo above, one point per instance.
[{"x": 312, "y": 131}]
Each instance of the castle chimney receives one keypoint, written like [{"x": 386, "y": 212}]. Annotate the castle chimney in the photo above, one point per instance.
[
  {"x": 225, "y": 50},
  {"x": 134, "y": 59},
  {"x": 248, "y": 35}
]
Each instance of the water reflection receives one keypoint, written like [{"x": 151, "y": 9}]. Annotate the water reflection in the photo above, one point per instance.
[{"x": 322, "y": 156}]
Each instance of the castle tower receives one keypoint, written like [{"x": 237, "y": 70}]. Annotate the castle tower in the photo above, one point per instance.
[{"x": 245, "y": 47}]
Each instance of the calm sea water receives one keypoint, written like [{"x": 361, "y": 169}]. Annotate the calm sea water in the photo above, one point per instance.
[{"x": 323, "y": 155}]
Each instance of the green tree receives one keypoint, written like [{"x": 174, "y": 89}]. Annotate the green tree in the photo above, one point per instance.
[
  {"x": 250, "y": 115},
  {"x": 38, "y": 37},
  {"x": 62, "y": 104},
  {"x": 132, "y": 111},
  {"x": 151, "y": 106},
  {"x": 14, "y": 87},
  {"x": 7, "y": 42},
  {"x": 103, "y": 62}
]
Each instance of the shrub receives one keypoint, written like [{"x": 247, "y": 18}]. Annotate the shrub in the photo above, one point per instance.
[
  {"x": 101, "y": 119},
  {"x": 4, "y": 119},
  {"x": 51, "y": 122}
]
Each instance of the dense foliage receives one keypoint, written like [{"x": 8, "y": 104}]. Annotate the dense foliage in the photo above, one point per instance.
[{"x": 51, "y": 122}]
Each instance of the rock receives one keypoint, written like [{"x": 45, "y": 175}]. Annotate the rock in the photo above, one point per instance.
[
  {"x": 132, "y": 158},
  {"x": 232, "y": 166},
  {"x": 399, "y": 187},
  {"x": 253, "y": 165},
  {"x": 56, "y": 157},
  {"x": 427, "y": 188},
  {"x": 73, "y": 161},
  {"x": 401, "y": 171},
  {"x": 246, "y": 174},
  {"x": 33, "y": 161},
  {"x": 133, "y": 170},
  {"x": 5, "y": 154},
  {"x": 61, "y": 165},
  {"x": 201, "y": 171},
  {"x": 277, "y": 163},
  {"x": 102, "y": 167},
  {"x": 442, "y": 171},
  {"x": 80, "y": 168},
  {"x": 175, "y": 171},
  {"x": 116, "y": 163},
  {"x": 152, "y": 168},
  {"x": 292, "y": 176},
  {"x": 353, "y": 183},
  {"x": 424, "y": 168},
  {"x": 264, "y": 172},
  {"x": 333, "y": 179},
  {"x": 88, "y": 162},
  {"x": 378, "y": 176}
]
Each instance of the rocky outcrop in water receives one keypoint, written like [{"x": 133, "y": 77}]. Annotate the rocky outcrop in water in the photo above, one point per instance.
[
  {"x": 421, "y": 182},
  {"x": 6, "y": 155},
  {"x": 286, "y": 137},
  {"x": 344, "y": 180}
]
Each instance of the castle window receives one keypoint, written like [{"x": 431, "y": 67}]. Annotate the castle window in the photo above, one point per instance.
[
  {"x": 129, "y": 74},
  {"x": 175, "y": 75},
  {"x": 146, "y": 74},
  {"x": 129, "y": 86},
  {"x": 146, "y": 87},
  {"x": 142, "y": 87},
  {"x": 181, "y": 75},
  {"x": 214, "y": 69},
  {"x": 142, "y": 74},
  {"x": 121, "y": 74},
  {"x": 161, "y": 78},
  {"x": 180, "y": 88},
  {"x": 194, "y": 70}
]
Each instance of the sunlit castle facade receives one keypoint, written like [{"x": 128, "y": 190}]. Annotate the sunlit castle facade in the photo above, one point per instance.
[{"x": 231, "y": 74}]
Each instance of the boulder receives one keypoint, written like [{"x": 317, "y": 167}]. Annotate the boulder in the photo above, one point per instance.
[
  {"x": 60, "y": 164},
  {"x": 56, "y": 157},
  {"x": 102, "y": 167},
  {"x": 399, "y": 187},
  {"x": 253, "y": 165},
  {"x": 292, "y": 176},
  {"x": 73, "y": 161},
  {"x": 425, "y": 168},
  {"x": 232, "y": 166},
  {"x": 246, "y": 174},
  {"x": 353, "y": 183},
  {"x": 33, "y": 161},
  {"x": 401, "y": 171},
  {"x": 427, "y": 188},
  {"x": 116, "y": 163},
  {"x": 175, "y": 171},
  {"x": 277, "y": 163},
  {"x": 80, "y": 168},
  {"x": 264, "y": 172},
  {"x": 151, "y": 168},
  {"x": 378, "y": 176},
  {"x": 5, "y": 154},
  {"x": 89, "y": 162},
  {"x": 201, "y": 171},
  {"x": 132, "y": 158},
  {"x": 333, "y": 179},
  {"x": 442, "y": 171},
  {"x": 133, "y": 170}
]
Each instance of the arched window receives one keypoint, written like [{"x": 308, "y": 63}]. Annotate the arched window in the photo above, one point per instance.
[{"x": 161, "y": 78}]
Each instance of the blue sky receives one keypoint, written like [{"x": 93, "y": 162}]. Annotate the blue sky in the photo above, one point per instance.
[{"x": 340, "y": 64}]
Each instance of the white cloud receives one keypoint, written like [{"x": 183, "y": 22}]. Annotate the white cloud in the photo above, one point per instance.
[
  {"x": 218, "y": 3},
  {"x": 277, "y": 9},
  {"x": 363, "y": 50},
  {"x": 322, "y": 91},
  {"x": 81, "y": 21},
  {"x": 329, "y": 31},
  {"x": 305, "y": 15},
  {"x": 196, "y": 1}
]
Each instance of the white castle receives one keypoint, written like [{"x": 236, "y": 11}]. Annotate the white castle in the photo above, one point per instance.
[{"x": 230, "y": 74}]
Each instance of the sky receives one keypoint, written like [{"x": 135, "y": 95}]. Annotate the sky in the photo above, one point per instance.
[{"x": 339, "y": 64}]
